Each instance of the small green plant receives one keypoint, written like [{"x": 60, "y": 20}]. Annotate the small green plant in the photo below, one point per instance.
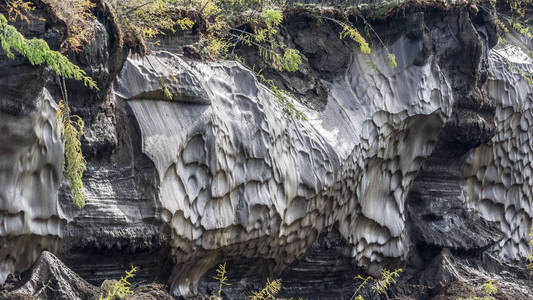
[
  {"x": 74, "y": 164},
  {"x": 37, "y": 52},
  {"x": 222, "y": 279},
  {"x": 283, "y": 97},
  {"x": 273, "y": 17},
  {"x": 530, "y": 255},
  {"x": 270, "y": 290},
  {"x": 122, "y": 287},
  {"x": 380, "y": 286},
  {"x": 351, "y": 32},
  {"x": 489, "y": 289},
  {"x": 17, "y": 9},
  {"x": 166, "y": 90},
  {"x": 391, "y": 60}
]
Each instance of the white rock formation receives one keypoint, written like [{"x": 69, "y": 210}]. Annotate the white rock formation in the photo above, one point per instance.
[
  {"x": 238, "y": 176},
  {"x": 500, "y": 174},
  {"x": 30, "y": 175}
]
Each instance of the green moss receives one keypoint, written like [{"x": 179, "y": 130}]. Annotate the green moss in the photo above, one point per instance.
[{"x": 74, "y": 164}]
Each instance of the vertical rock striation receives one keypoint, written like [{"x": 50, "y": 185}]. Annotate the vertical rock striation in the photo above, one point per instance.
[
  {"x": 31, "y": 155},
  {"x": 30, "y": 174},
  {"x": 499, "y": 174}
]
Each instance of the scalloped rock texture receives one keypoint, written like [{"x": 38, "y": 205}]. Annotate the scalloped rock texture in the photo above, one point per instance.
[
  {"x": 31, "y": 155},
  {"x": 242, "y": 176},
  {"x": 499, "y": 174},
  {"x": 218, "y": 170},
  {"x": 30, "y": 168},
  {"x": 30, "y": 173}
]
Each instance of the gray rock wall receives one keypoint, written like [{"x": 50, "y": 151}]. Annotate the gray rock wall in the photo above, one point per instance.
[
  {"x": 31, "y": 156},
  {"x": 219, "y": 170},
  {"x": 30, "y": 174},
  {"x": 239, "y": 177},
  {"x": 499, "y": 174}
]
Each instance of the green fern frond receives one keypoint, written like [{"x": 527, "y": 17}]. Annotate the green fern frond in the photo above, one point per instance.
[
  {"x": 221, "y": 277},
  {"x": 185, "y": 23},
  {"x": 353, "y": 33},
  {"x": 37, "y": 52},
  {"x": 122, "y": 287},
  {"x": 270, "y": 290}
]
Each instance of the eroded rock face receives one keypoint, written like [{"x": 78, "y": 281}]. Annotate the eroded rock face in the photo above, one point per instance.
[
  {"x": 49, "y": 278},
  {"x": 237, "y": 175},
  {"x": 31, "y": 155},
  {"x": 30, "y": 168},
  {"x": 499, "y": 174},
  {"x": 192, "y": 163}
]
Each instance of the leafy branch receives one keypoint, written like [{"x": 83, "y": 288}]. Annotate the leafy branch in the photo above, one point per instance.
[
  {"x": 17, "y": 9},
  {"x": 221, "y": 277},
  {"x": 270, "y": 290},
  {"x": 283, "y": 97},
  {"x": 38, "y": 52},
  {"x": 289, "y": 61},
  {"x": 122, "y": 287},
  {"x": 380, "y": 286},
  {"x": 352, "y": 32}
]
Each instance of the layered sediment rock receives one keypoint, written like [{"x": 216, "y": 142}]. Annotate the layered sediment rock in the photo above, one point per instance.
[{"x": 191, "y": 163}]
